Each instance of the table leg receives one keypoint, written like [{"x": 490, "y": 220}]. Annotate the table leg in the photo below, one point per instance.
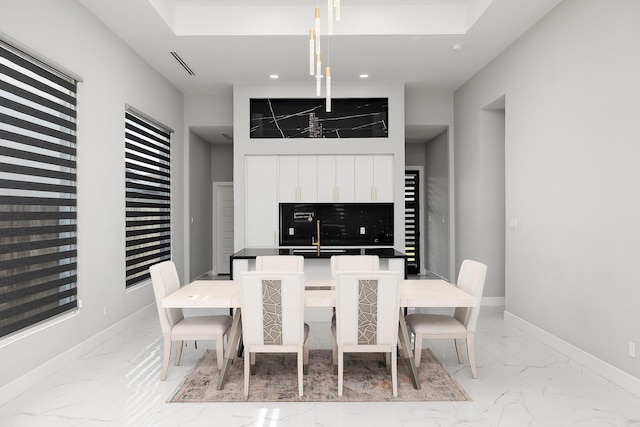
[
  {"x": 232, "y": 345},
  {"x": 405, "y": 352}
]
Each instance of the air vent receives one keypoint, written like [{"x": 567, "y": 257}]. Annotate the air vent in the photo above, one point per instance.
[
  {"x": 227, "y": 137},
  {"x": 181, "y": 62}
]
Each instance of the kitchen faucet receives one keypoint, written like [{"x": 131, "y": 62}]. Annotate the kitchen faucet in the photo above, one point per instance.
[{"x": 316, "y": 243}]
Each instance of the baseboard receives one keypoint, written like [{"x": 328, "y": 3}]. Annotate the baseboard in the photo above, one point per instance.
[
  {"x": 585, "y": 359},
  {"x": 36, "y": 375}
]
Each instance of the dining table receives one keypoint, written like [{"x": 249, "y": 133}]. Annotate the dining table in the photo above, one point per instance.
[{"x": 414, "y": 293}]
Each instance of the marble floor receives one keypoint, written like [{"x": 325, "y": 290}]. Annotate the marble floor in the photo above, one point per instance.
[{"x": 521, "y": 383}]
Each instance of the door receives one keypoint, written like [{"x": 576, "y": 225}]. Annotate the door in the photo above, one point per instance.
[
  {"x": 412, "y": 220},
  {"x": 223, "y": 226}
]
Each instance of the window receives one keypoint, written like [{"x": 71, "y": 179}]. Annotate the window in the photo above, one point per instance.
[
  {"x": 148, "y": 195},
  {"x": 37, "y": 191}
]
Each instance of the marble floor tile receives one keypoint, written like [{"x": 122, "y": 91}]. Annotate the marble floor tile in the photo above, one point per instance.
[{"x": 521, "y": 382}]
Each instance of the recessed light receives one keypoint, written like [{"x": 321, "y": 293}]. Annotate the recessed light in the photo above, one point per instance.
[
  {"x": 274, "y": 76},
  {"x": 364, "y": 76}
]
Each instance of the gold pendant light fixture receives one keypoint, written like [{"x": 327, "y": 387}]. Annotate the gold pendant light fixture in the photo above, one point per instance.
[{"x": 333, "y": 13}]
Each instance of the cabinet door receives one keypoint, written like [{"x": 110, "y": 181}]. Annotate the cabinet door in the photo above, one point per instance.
[
  {"x": 261, "y": 210},
  {"x": 307, "y": 178},
  {"x": 345, "y": 179},
  {"x": 326, "y": 178},
  {"x": 363, "y": 178},
  {"x": 383, "y": 178},
  {"x": 374, "y": 178},
  {"x": 288, "y": 179}
]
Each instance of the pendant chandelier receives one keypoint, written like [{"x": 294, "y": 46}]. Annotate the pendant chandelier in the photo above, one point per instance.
[{"x": 315, "y": 57}]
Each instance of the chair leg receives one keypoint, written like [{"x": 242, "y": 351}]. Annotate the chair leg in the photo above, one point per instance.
[
  {"x": 179, "y": 352},
  {"x": 340, "y": 371},
  {"x": 252, "y": 358},
  {"x": 472, "y": 355},
  {"x": 219, "y": 351},
  {"x": 305, "y": 351},
  {"x": 335, "y": 356},
  {"x": 246, "y": 372},
  {"x": 166, "y": 355},
  {"x": 417, "y": 348},
  {"x": 300, "y": 372},
  {"x": 459, "y": 343},
  {"x": 394, "y": 371}
]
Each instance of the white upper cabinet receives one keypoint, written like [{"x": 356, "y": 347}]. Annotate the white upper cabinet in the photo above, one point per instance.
[
  {"x": 383, "y": 178},
  {"x": 374, "y": 178},
  {"x": 336, "y": 178},
  {"x": 261, "y": 219},
  {"x": 298, "y": 178},
  {"x": 345, "y": 178},
  {"x": 326, "y": 178},
  {"x": 308, "y": 178},
  {"x": 288, "y": 178}
]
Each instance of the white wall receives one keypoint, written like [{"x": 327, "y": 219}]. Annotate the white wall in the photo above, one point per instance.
[
  {"x": 572, "y": 172},
  {"x": 66, "y": 33},
  {"x": 243, "y": 146}
]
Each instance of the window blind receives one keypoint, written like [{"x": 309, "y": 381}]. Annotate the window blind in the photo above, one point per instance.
[
  {"x": 37, "y": 191},
  {"x": 148, "y": 196}
]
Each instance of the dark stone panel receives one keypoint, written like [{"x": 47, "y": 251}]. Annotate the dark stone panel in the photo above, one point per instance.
[
  {"x": 307, "y": 118},
  {"x": 341, "y": 224}
]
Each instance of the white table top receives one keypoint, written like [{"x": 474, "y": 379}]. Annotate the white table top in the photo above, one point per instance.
[{"x": 319, "y": 293}]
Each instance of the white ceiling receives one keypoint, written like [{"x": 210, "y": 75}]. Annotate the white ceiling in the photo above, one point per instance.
[{"x": 227, "y": 42}]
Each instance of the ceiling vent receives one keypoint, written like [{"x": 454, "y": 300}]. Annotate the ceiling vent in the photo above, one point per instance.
[
  {"x": 184, "y": 64},
  {"x": 227, "y": 137}
]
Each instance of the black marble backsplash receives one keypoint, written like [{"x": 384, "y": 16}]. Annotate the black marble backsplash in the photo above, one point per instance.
[{"x": 341, "y": 224}]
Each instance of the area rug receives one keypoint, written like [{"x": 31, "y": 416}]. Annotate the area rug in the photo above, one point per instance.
[{"x": 275, "y": 380}]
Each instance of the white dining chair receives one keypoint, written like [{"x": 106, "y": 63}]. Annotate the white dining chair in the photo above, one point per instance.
[
  {"x": 273, "y": 318},
  {"x": 461, "y": 326},
  {"x": 176, "y": 327},
  {"x": 343, "y": 263},
  {"x": 367, "y": 313},
  {"x": 280, "y": 263},
  {"x": 275, "y": 263},
  {"x": 353, "y": 263}
]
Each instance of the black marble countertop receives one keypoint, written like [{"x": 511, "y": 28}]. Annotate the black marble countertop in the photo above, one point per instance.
[{"x": 324, "y": 253}]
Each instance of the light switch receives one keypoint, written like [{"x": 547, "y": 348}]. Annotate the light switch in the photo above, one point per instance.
[
  {"x": 513, "y": 223},
  {"x": 291, "y": 231},
  {"x": 362, "y": 230}
]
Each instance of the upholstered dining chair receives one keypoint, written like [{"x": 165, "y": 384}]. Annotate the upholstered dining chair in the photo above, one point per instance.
[
  {"x": 354, "y": 263},
  {"x": 273, "y": 263},
  {"x": 176, "y": 327},
  {"x": 280, "y": 263},
  {"x": 462, "y": 325},
  {"x": 367, "y": 310},
  {"x": 349, "y": 263},
  {"x": 273, "y": 318}
]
